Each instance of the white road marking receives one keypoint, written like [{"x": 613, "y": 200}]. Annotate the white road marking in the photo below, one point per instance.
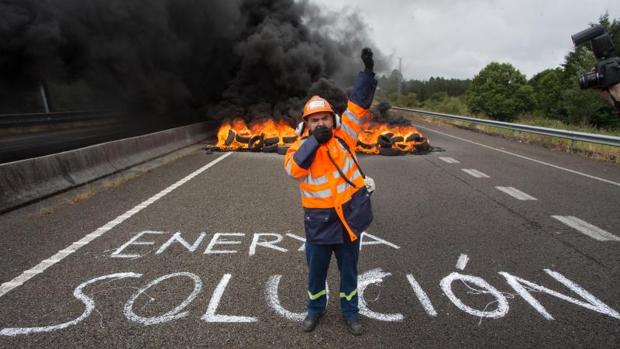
[
  {"x": 516, "y": 193},
  {"x": 526, "y": 158},
  {"x": 422, "y": 296},
  {"x": 211, "y": 314},
  {"x": 480, "y": 286},
  {"x": 461, "y": 263},
  {"x": 39, "y": 268},
  {"x": 271, "y": 293},
  {"x": 376, "y": 241},
  {"x": 449, "y": 160},
  {"x": 174, "y": 314},
  {"x": 587, "y": 228},
  {"x": 374, "y": 276},
  {"x": 475, "y": 173},
  {"x": 525, "y": 289},
  {"x": 78, "y": 293}
]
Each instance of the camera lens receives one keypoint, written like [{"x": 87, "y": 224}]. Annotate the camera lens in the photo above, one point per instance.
[{"x": 588, "y": 80}]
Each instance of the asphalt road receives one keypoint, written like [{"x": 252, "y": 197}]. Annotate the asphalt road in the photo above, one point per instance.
[{"x": 490, "y": 243}]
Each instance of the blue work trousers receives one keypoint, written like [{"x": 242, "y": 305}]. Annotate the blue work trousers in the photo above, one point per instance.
[{"x": 318, "y": 258}]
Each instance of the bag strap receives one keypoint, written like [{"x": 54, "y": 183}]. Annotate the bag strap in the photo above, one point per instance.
[{"x": 346, "y": 146}]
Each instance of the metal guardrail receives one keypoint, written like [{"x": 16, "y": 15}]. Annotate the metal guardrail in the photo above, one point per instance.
[
  {"x": 572, "y": 135},
  {"x": 21, "y": 120}
]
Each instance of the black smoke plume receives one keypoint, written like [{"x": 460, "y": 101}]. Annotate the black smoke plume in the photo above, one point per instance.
[
  {"x": 382, "y": 113},
  {"x": 178, "y": 58}
]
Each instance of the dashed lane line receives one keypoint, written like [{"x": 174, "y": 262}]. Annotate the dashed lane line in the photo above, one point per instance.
[
  {"x": 587, "y": 228},
  {"x": 525, "y": 157},
  {"x": 516, "y": 193},
  {"x": 41, "y": 267},
  {"x": 449, "y": 160},
  {"x": 475, "y": 173}
]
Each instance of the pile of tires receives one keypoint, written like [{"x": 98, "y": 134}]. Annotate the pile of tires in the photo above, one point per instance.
[
  {"x": 394, "y": 145},
  {"x": 287, "y": 141}
]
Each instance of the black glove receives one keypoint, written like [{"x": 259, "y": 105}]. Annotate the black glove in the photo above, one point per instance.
[
  {"x": 322, "y": 134},
  {"x": 369, "y": 63}
]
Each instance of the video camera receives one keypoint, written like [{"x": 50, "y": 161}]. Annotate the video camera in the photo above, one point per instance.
[{"x": 607, "y": 71}]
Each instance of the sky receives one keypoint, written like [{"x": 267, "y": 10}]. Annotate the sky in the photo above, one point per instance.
[{"x": 456, "y": 39}]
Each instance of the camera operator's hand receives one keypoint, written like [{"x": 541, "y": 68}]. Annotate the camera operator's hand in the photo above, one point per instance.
[
  {"x": 322, "y": 134},
  {"x": 612, "y": 95},
  {"x": 369, "y": 62},
  {"x": 614, "y": 91}
]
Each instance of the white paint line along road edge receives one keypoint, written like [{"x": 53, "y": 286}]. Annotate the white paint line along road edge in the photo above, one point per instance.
[
  {"x": 41, "y": 267},
  {"x": 449, "y": 160},
  {"x": 587, "y": 228},
  {"x": 475, "y": 173},
  {"x": 525, "y": 157},
  {"x": 516, "y": 193}
]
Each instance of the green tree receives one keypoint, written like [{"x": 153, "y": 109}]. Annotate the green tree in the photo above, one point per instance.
[
  {"x": 389, "y": 84},
  {"x": 547, "y": 87},
  {"x": 445, "y": 104},
  {"x": 499, "y": 91},
  {"x": 408, "y": 100}
]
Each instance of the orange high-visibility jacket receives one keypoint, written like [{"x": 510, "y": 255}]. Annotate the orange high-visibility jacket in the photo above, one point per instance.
[{"x": 326, "y": 197}]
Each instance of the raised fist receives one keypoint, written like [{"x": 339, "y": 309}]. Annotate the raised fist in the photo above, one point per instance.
[{"x": 369, "y": 62}]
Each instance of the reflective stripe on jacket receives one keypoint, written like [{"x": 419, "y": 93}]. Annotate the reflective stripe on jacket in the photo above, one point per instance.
[{"x": 327, "y": 198}]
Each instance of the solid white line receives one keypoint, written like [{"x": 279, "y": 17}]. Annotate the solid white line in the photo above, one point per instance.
[
  {"x": 475, "y": 173},
  {"x": 587, "y": 228},
  {"x": 526, "y": 158},
  {"x": 449, "y": 160},
  {"x": 28, "y": 274},
  {"x": 516, "y": 193}
]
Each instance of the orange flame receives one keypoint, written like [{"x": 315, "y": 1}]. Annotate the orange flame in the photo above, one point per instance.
[
  {"x": 263, "y": 134},
  {"x": 400, "y": 138},
  {"x": 268, "y": 135}
]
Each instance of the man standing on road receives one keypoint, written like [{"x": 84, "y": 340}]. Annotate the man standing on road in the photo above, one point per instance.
[{"x": 335, "y": 194}]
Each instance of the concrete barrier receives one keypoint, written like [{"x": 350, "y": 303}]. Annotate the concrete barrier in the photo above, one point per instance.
[{"x": 24, "y": 181}]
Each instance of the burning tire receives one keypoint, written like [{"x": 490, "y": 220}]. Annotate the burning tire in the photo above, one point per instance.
[
  {"x": 230, "y": 138},
  {"x": 288, "y": 140},
  {"x": 270, "y": 141},
  {"x": 414, "y": 138},
  {"x": 390, "y": 151},
  {"x": 270, "y": 148},
  {"x": 365, "y": 146},
  {"x": 242, "y": 139},
  {"x": 423, "y": 147},
  {"x": 397, "y": 139},
  {"x": 385, "y": 140},
  {"x": 282, "y": 150},
  {"x": 255, "y": 143}
]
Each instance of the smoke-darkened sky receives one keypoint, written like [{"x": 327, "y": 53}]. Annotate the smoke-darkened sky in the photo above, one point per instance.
[
  {"x": 264, "y": 56},
  {"x": 457, "y": 39},
  {"x": 176, "y": 56}
]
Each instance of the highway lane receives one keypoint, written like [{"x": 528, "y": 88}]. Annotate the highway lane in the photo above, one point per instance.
[
  {"x": 227, "y": 236},
  {"x": 557, "y": 191}
]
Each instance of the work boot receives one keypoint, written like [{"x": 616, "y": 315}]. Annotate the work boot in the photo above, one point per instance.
[
  {"x": 310, "y": 323},
  {"x": 355, "y": 327}
]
